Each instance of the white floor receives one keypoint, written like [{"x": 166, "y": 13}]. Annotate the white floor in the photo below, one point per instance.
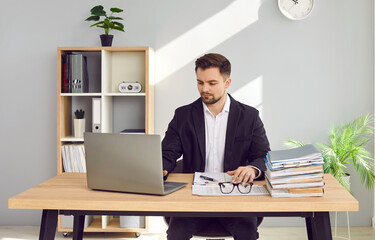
[{"x": 158, "y": 228}]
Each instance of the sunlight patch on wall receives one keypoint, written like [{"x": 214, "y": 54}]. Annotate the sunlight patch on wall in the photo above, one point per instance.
[
  {"x": 205, "y": 36},
  {"x": 251, "y": 94}
]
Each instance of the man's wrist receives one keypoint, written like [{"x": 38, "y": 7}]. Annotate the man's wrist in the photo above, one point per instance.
[{"x": 259, "y": 171}]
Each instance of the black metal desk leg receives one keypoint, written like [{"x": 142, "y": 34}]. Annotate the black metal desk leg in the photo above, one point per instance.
[
  {"x": 79, "y": 221},
  {"x": 309, "y": 228},
  {"x": 322, "y": 226},
  {"x": 48, "y": 225}
]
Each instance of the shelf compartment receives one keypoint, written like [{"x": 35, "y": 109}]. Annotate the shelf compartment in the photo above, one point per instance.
[
  {"x": 68, "y": 105},
  {"x": 94, "y": 62},
  {"x": 128, "y": 113},
  {"x": 122, "y": 66}
]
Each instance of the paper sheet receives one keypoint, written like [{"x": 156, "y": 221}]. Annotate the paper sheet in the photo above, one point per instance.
[
  {"x": 207, "y": 188},
  {"x": 219, "y": 177},
  {"x": 214, "y": 190}
]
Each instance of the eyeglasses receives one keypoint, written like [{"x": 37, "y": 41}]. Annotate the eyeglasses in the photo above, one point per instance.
[{"x": 227, "y": 187}]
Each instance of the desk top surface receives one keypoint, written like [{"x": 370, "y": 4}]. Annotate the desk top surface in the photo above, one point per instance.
[{"x": 69, "y": 192}]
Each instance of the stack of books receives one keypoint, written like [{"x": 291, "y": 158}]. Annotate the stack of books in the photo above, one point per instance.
[{"x": 296, "y": 172}]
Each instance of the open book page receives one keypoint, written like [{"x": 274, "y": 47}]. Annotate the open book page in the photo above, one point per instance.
[{"x": 204, "y": 187}]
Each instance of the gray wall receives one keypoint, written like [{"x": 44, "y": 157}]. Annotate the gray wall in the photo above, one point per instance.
[{"x": 304, "y": 76}]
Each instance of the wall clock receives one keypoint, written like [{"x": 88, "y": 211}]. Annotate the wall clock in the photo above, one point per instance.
[{"x": 296, "y": 9}]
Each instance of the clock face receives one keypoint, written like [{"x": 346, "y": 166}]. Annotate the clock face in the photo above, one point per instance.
[{"x": 296, "y": 9}]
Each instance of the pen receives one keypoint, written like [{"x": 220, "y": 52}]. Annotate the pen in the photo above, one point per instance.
[{"x": 208, "y": 178}]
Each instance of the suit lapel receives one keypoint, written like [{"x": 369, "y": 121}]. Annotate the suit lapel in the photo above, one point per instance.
[
  {"x": 198, "y": 119},
  {"x": 233, "y": 119}
]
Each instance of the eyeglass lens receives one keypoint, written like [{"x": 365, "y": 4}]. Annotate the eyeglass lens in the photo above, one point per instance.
[{"x": 227, "y": 187}]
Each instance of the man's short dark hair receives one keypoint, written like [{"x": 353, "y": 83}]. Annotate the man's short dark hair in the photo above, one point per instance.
[{"x": 210, "y": 60}]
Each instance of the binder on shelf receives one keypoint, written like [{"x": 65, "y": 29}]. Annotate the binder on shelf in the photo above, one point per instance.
[
  {"x": 65, "y": 87},
  {"x": 78, "y": 73},
  {"x": 74, "y": 74},
  {"x": 96, "y": 115}
]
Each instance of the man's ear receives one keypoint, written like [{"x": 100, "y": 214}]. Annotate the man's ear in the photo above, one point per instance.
[{"x": 227, "y": 82}]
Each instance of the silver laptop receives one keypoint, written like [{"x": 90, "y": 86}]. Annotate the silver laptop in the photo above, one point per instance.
[{"x": 126, "y": 163}]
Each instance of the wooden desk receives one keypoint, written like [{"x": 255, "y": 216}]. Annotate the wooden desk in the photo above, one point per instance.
[{"x": 68, "y": 194}]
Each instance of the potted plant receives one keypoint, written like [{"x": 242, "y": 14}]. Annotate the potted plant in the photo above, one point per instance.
[
  {"x": 346, "y": 145},
  {"x": 79, "y": 123},
  {"x": 108, "y": 23}
]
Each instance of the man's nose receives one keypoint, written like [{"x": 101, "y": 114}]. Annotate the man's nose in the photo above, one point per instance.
[{"x": 204, "y": 87}]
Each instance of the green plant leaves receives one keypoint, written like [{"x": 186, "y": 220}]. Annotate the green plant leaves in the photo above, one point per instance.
[
  {"x": 80, "y": 114},
  {"x": 93, "y": 18},
  {"x": 115, "y": 18},
  {"x": 118, "y": 28},
  {"x": 347, "y": 145},
  {"x": 98, "y": 11},
  {"x": 116, "y": 10},
  {"x": 107, "y": 23},
  {"x": 290, "y": 143},
  {"x": 96, "y": 24},
  {"x": 118, "y": 24}
]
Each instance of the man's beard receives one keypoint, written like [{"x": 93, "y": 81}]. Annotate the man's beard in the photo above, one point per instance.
[{"x": 210, "y": 101}]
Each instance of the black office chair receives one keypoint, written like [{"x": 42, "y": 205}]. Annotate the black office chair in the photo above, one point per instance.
[{"x": 213, "y": 229}]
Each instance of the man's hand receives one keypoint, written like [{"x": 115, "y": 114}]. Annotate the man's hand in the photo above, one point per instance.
[
  {"x": 165, "y": 172},
  {"x": 243, "y": 174}
]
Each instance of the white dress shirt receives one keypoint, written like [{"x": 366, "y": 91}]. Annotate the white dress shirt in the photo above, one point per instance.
[{"x": 215, "y": 131}]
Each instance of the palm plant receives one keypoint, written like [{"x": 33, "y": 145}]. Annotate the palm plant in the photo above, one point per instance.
[{"x": 346, "y": 145}]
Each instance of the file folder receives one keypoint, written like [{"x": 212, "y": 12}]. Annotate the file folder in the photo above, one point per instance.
[{"x": 96, "y": 115}]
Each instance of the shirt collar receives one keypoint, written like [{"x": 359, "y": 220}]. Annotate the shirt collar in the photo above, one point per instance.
[{"x": 225, "y": 108}]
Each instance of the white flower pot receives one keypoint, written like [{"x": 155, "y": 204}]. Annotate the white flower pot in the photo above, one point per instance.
[{"x": 79, "y": 127}]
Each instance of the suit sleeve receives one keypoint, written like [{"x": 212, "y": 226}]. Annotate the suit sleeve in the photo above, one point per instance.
[
  {"x": 171, "y": 146},
  {"x": 259, "y": 146}
]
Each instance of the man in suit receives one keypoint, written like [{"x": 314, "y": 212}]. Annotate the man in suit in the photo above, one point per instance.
[{"x": 215, "y": 133}]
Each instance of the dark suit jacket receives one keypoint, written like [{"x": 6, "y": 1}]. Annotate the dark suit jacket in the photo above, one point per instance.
[{"x": 246, "y": 142}]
